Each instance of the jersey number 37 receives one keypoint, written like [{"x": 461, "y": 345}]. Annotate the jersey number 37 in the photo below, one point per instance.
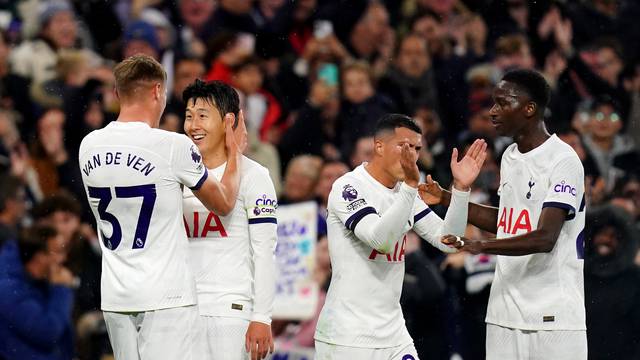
[{"x": 148, "y": 195}]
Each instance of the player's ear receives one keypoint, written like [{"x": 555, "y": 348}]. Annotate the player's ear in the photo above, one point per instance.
[
  {"x": 378, "y": 147},
  {"x": 530, "y": 109}
]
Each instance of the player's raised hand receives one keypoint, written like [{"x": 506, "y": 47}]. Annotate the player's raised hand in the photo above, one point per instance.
[
  {"x": 466, "y": 170},
  {"x": 235, "y": 137},
  {"x": 408, "y": 159},
  {"x": 430, "y": 192},
  {"x": 259, "y": 340}
]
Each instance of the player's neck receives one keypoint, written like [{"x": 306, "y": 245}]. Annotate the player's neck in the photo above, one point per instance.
[
  {"x": 377, "y": 172},
  {"x": 216, "y": 157},
  {"x": 138, "y": 113},
  {"x": 532, "y": 137}
]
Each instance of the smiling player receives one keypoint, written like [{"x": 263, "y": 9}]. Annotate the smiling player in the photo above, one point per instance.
[
  {"x": 133, "y": 174},
  {"x": 232, "y": 256}
]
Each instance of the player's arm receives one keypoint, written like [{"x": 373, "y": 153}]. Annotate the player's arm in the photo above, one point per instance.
[
  {"x": 558, "y": 206},
  {"x": 261, "y": 208},
  {"x": 464, "y": 174},
  {"x": 541, "y": 240},
  {"x": 482, "y": 216},
  {"x": 381, "y": 232},
  {"x": 220, "y": 196},
  {"x": 428, "y": 224}
]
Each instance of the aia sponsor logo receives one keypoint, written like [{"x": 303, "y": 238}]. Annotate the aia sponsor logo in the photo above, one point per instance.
[
  {"x": 396, "y": 256},
  {"x": 513, "y": 220},
  {"x": 197, "y": 229}
]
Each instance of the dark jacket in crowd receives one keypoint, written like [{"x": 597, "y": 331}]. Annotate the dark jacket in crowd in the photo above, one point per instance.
[
  {"x": 359, "y": 120},
  {"x": 409, "y": 93},
  {"x": 35, "y": 316},
  {"x": 612, "y": 289},
  {"x": 422, "y": 296}
]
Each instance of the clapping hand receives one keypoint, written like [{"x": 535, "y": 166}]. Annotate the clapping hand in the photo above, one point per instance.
[{"x": 466, "y": 170}]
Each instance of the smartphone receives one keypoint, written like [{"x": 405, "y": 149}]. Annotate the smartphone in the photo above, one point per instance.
[
  {"x": 322, "y": 29},
  {"x": 329, "y": 74},
  {"x": 247, "y": 42}
]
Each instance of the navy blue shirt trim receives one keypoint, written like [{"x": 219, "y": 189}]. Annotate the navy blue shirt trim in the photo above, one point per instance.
[
  {"x": 420, "y": 215},
  {"x": 571, "y": 211},
  {"x": 204, "y": 177},
  {"x": 266, "y": 220},
  {"x": 354, "y": 219}
]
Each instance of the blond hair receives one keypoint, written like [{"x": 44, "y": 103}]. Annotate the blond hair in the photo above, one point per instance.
[{"x": 136, "y": 72}]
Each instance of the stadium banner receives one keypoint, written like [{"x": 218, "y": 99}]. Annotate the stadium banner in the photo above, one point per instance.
[{"x": 296, "y": 293}]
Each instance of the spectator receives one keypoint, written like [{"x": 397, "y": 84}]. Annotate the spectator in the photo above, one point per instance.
[
  {"x": 35, "y": 308},
  {"x": 300, "y": 179},
  {"x": 411, "y": 82},
  {"x": 361, "y": 105},
  {"x": 187, "y": 70},
  {"x": 62, "y": 212},
  {"x": 612, "y": 289},
  {"x": 362, "y": 151},
  {"x": 36, "y": 59},
  {"x": 262, "y": 111},
  {"x": 49, "y": 152},
  {"x": 234, "y": 16},
  {"x": 314, "y": 126},
  {"x": 165, "y": 33},
  {"x": 140, "y": 38},
  {"x": 330, "y": 172},
  {"x": 196, "y": 17},
  {"x": 12, "y": 207},
  {"x": 604, "y": 141},
  {"x": 372, "y": 39}
]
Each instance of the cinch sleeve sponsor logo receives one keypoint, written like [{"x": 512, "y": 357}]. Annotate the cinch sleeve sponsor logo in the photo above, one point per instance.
[
  {"x": 565, "y": 188},
  {"x": 265, "y": 206}
]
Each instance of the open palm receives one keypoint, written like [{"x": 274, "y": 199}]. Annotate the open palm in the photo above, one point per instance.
[{"x": 466, "y": 170}]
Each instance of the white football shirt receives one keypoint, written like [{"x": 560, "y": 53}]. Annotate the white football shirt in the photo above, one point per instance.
[
  {"x": 362, "y": 307},
  {"x": 540, "y": 291},
  {"x": 232, "y": 257},
  {"x": 132, "y": 175}
]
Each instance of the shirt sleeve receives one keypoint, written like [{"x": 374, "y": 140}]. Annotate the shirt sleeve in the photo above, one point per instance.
[
  {"x": 429, "y": 226},
  {"x": 566, "y": 186},
  {"x": 186, "y": 163},
  {"x": 380, "y": 232},
  {"x": 261, "y": 204}
]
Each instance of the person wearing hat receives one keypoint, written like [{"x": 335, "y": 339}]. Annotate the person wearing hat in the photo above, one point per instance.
[
  {"x": 140, "y": 38},
  {"x": 36, "y": 59}
]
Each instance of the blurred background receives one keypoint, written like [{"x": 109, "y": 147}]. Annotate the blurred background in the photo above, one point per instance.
[{"x": 313, "y": 77}]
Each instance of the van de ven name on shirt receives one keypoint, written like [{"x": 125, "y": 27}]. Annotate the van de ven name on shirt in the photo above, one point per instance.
[{"x": 118, "y": 158}]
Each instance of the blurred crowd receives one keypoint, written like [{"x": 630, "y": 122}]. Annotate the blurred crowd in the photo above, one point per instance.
[{"x": 313, "y": 77}]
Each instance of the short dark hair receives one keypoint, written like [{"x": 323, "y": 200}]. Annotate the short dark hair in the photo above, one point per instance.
[
  {"x": 34, "y": 240},
  {"x": 9, "y": 186},
  {"x": 222, "y": 96},
  {"x": 533, "y": 84},
  {"x": 390, "y": 122},
  {"x": 61, "y": 201}
]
